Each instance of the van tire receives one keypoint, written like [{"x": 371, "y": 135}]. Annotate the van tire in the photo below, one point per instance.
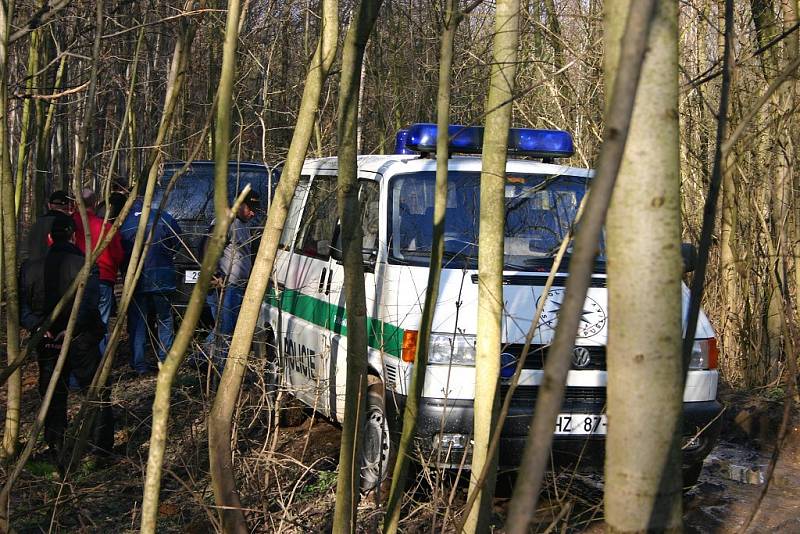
[
  {"x": 272, "y": 366},
  {"x": 376, "y": 456},
  {"x": 691, "y": 474}
]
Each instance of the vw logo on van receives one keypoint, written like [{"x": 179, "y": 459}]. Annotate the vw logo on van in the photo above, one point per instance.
[
  {"x": 581, "y": 357},
  {"x": 508, "y": 365}
]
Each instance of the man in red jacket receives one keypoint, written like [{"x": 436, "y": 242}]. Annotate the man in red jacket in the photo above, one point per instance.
[{"x": 108, "y": 262}]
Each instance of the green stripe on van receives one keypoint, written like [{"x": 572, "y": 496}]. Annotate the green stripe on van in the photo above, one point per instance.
[{"x": 380, "y": 335}]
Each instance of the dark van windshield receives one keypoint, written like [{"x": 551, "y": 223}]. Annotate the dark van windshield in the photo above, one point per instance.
[
  {"x": 192, "y": 199},
  {"x": 540, "y": 211}
]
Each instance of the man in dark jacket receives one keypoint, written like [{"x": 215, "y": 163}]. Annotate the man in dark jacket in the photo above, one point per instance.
[
  {"x": 156, "y": 285},
  {"x": 37, "y": 242},
  {"x": 44, "y": 281}
]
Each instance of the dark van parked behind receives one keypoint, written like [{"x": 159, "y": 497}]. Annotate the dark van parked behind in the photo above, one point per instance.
[{"x": 191, "y": 203}]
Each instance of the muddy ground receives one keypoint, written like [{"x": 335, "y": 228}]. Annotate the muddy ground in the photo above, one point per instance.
[{"x": 287, "y": 480}]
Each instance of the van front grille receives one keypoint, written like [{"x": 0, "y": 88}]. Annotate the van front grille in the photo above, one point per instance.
[
  {"x": 575, "y": 398},
  {"x": 538, "y": 354}
]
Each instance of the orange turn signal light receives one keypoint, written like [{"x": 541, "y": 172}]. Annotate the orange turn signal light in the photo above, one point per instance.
[
  {"x": 713, "y": 353},
  {"x": 409, "y": 350}
]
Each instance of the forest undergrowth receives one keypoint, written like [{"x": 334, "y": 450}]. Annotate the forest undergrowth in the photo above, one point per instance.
[{"x": 287, "y": 475}]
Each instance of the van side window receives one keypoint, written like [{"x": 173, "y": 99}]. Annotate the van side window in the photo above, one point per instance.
[
  {"x": 369, "y": 196},
  {"x": 295, "y": 209},
  {"x": 319, "y": 219}
]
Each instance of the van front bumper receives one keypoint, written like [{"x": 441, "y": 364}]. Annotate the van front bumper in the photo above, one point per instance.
[{"x": 444, "y": 428}]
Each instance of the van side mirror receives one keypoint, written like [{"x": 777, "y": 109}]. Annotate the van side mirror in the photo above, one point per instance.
[
  {"x": 336, "y": 252},
  {"x": 369, "y": 257},
  {"x": 689, "y": 254}
]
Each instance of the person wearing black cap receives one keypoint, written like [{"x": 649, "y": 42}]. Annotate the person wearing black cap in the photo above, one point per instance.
[
  {"x": 43, "y": 283},
  {"x": 38, "y": 242},
  {"x": 234, "y": 270}
]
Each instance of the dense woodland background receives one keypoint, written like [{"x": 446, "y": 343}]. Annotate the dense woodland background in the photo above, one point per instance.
[{"x": 559, "y": 85}]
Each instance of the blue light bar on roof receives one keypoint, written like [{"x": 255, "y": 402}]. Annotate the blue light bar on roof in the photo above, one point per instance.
[
  {"x": 540, "y": 143},
  {"x": 463, "y": 139},
  {"x": 469, "y": 140}
]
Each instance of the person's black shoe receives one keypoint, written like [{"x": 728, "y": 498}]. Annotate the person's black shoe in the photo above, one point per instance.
[{"x": 150, "y": 371}]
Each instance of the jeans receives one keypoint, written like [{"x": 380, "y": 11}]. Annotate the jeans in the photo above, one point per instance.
[
  {"x": 145, "y": 304},
  {"x": 107, "y": 307},
  {"x": 228, "y": 313},
  {"x": 81, "y": 362}
]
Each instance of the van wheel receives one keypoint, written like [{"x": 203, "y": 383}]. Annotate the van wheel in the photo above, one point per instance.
[
  {"x": 691, "y": 475},
  {"x": 376, "y": 449}
]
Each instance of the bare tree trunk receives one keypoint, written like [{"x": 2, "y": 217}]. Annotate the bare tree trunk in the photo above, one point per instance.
[
  {"x": 219, "y": 431},
  {"x": 729, "y": 256},
  {"x": 174, "y": 87},
  {"x": 87, "y": 414},
  {"x": 792, "y": 16},
  {"x": 43, "y": 140},
  {"x": 548, "y": 403},
  {"x": 643, "y": 483},
  {"x": 23, "y": 149},
  {"x": 347, "y": 483},
  {"x": 780, "y": 151},
  {"x": 83, "y": 276},
  {"x": 452, "y": 18},
  {"x": 224, "y": 216},
  {"x": 490, "y": 258},
  {"x": 11, "y": 433}
]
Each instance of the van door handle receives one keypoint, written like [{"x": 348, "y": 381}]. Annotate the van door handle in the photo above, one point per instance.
[
  {"x": 328, "y": 286},
  {"x": 321, "y": 281}
]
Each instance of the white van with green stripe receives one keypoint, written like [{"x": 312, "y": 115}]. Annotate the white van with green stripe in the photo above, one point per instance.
[{"x": 304, "y": 314}]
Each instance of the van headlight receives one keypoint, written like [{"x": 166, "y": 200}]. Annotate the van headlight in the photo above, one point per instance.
[
  {"x": 458, "y": 349},
  {"x": 704, "y": 354}
]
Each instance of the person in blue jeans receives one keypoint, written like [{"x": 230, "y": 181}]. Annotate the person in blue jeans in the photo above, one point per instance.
[
  {"x": 155, "y": 287},
  {"x": 234, "y": 270}
]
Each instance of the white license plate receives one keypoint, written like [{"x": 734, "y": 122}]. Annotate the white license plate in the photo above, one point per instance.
[
  {"x": 190, "y": 277},
  {"x": 577, "y": 424}
]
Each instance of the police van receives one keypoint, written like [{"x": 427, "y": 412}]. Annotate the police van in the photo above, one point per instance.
[{"x": 304, "y": 322}]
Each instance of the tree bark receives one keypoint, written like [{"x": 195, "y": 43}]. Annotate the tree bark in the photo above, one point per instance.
[
  {"x": 347, "y": 483},
  {"x": 645, "y": 375},
  {"x": 23, "y": 149},
  {"x": 224, "y": 216},
  {"x": 219, "y": 431},
  {"x": 452, "y": 18},
  {"x": 490, "y": 258},
  {"x": 9, "y": 245},
  {"x": 548, "y": 404}
]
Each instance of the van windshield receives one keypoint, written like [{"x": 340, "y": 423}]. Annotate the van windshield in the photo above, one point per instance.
[
  {"x": 540, "y": 211},
  {"x": 192, "y": 199}
]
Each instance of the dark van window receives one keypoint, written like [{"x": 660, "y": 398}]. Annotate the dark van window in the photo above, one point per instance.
[
  {"x": 293, "y": 216},
  {"x": 193, "y": 196},
  {"x": 369, "y": 197},
  {"x": 319, "y": 219}
]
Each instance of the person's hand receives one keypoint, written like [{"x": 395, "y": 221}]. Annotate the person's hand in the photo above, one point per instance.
[{"x": 217, "y": 282}]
